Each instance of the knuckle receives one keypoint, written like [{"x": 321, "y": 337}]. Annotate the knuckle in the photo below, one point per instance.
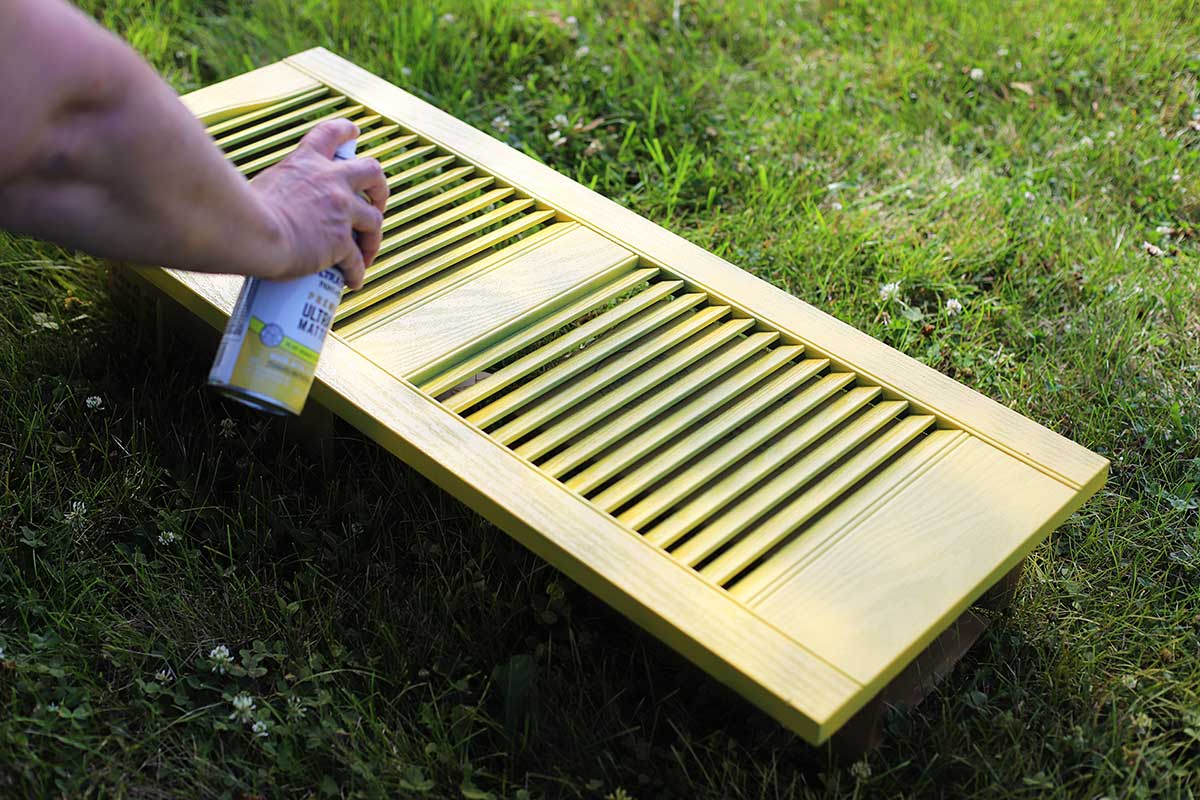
[{"x": 339, "y": 201}]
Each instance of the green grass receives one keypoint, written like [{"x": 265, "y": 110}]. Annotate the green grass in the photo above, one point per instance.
[{"x": 396, "y": 644}]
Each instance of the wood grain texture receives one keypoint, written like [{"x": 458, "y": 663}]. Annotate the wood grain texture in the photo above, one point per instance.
[
  {"x": 491, "y": 301},
  {"x": 621, "y": 425},
  {"x": 573, "y": 421},
  {"x": 380, "y": 313},
  {"x": 929, "y": 391},
  {"x": 729, "y": 389},
  {"x": 731, "y": 450},
  {"x": 481, "y": 353},
  {"x": 846, "y": 544},
  {"x": 870, "y": 586},
  {"x": 671, "y": 602},
  {"x": 246, "y": 92},
  {"x": 760, "y": 538}
]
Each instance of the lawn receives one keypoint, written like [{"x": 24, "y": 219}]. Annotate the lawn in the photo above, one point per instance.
[{"x": 164, "y": 554}]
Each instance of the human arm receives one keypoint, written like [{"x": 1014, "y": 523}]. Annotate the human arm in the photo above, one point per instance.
[{"x": 97, "y": 152}]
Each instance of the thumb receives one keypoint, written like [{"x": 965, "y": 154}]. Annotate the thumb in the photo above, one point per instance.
[{"x": 326, "y": 137}]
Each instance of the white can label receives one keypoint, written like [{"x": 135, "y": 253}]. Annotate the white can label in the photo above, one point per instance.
[{"x": 274, "y": 337}]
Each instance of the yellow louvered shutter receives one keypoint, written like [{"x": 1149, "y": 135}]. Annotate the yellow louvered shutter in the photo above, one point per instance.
[{"x": 791, "y": 504}]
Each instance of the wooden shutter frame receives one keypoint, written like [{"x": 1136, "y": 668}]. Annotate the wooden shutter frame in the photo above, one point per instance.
[{"x": 729, "y": 640}]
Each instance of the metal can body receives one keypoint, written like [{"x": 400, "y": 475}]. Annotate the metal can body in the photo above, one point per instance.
[{"x": 268, "y": 353}]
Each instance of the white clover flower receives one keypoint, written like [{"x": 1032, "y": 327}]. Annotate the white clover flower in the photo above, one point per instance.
[
  {"x": 52, "y": 708},
  {"x": 1165, "y": 230},
  {"x": 1143, "y": 722},
  {"x": 243, "y": 707},
  {"x": 1030, "y": 197},
  {"x": 42, "y": 320},
  {"x": 167, "y": 538},
  {"x": 559, "y": 122},
  {"x": 571, "y": 21},
  {"x": 295, "y": 708},
  {"x": 163, "y": 675},
  {"x": 501, "y": 123},
  {"x": 259, "y": 729},
  {"x": 594, "y": 147},
  {"x": 1086, "y": 142},
  {"x": 861, "y": 770},
  {"x": 77, "y": 515},
  {"x": 581, "y": 52},
  {"x": 889, "y": 291},
  {"x": 406, "y": 71},
  {"x": 219, "y": 655},
  {"x": 606, "y": 69},
  {"x": 1153, "y": 249},
  {"x": 518, "y": 87},
  {"x": 1, "y": 652},
  {"x": 449, "y": 18},
  {"x": 976, "y": 74},
  {"x": 1110, "y": 135},
  {"x": 1176, "y": 177},
  {"x": 557, "y": 139},
  {"x": 228, "y": 428},
  {"x": 1130, "y": 682},
  {"x": 836, "y": 206},
  {"x": 93, "y": 402},
  {"x": 953, "y": 307}
]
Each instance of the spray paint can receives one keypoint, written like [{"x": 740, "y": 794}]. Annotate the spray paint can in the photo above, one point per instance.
[{"x": 268, "y": 353}]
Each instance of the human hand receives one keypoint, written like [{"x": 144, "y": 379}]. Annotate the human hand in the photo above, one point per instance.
[{"x": 315, "y": 206}]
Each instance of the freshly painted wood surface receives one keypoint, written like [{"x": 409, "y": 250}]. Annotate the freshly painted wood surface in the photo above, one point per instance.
[
  {"x": 474, "y": 356},
  {"x": 878, "y": 579},
  {"x": 491, "y": 301},
  {"x": 623, "y": 425},
  {"x": 247, "y": 92},
  {"x": 955, "y": 405},
  {"x": 732, "y": 449},
  {"x": 570, "y": 422},
  {"x": 672, "y": 602},
  {"x": 734, "y": 389},
  {"x": 712, "y": 414}
]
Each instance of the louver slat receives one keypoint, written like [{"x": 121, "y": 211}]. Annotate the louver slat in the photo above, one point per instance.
[
  {"x": 445, "y": 198},
  {"x": 767, "y": 495},
  {"x": 749, "y": 479},
  {"x": 291, "y": 134},
  {"x": 453, "y": 376},
  {"x": 736, "y": 390},
  {"x": 645, "y": 381},
  {"x": 778, "y": 452},
  {"x": 617, "y": 340},
  {"x": 255, "y": 131},
  {"x": 794, "y": 514},
  {"x": 425, "y": 187},
  {"x": 275, "y": 110},
  {"x": 621, "y": 425},
  {"x": 419, "y": 270},
  {"x": 652, "y": 347},
  {"x": 729, "y": 452}
]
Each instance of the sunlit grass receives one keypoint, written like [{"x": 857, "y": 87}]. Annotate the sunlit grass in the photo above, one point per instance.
[{"x": 1014, "y": 158}]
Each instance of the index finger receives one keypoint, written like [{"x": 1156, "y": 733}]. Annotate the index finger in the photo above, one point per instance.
[{"x": 366, "y": 177}]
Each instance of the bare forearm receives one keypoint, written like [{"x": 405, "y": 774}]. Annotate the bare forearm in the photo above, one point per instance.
[{"x": 122, "y": 169}]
